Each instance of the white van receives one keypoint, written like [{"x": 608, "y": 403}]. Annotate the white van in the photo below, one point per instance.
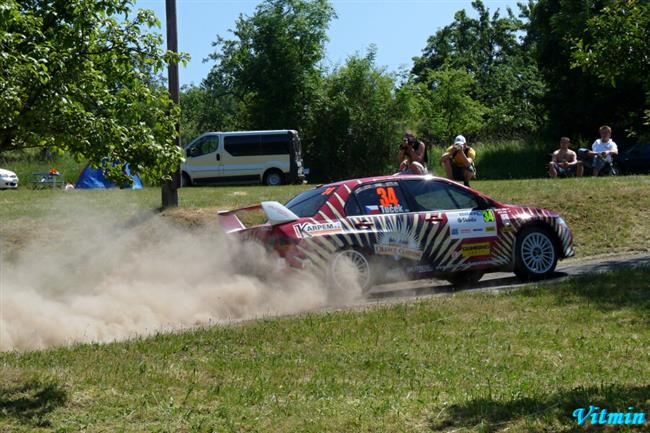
[{"x": 270, "y": 157}]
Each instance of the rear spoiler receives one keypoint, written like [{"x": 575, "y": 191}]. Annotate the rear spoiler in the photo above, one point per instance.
[{"x": 275, "y": 212}]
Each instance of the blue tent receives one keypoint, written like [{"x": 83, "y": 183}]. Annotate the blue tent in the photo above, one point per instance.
[{"x": 93, "y": 178}]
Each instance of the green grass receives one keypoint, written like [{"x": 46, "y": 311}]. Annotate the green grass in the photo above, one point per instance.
[
  {"x": 520, "y": 361},
  {"x": 605, "y": 214},
  {"x": 25, "y": 166}
]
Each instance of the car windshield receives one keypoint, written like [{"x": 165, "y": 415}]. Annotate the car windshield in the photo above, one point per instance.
[{"x": 309, "y": 202}]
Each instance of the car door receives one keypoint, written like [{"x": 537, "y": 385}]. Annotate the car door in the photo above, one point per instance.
[
  {"x": 462, "y": 228},
  {"x": 203, "y": 159},
  {"x": 382, "y": 220}
]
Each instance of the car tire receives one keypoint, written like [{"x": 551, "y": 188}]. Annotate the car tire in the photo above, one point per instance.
[
  {"x": 464, "y": 279},
  {"x": 185, "y": 180},
  {"x": 359, "y": 259},
  {"x": 273, "y": 178},
  {"x": 535, "y": 254}
]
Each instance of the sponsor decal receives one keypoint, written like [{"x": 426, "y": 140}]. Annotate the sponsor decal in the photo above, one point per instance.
[
  {"x": 420, "y": 268},
  {"x": 476, "y": 250},
  {"x": 471, "y": 224},
  {"x": 401, "y": 243},
  {"x": 307, "y": 230}
]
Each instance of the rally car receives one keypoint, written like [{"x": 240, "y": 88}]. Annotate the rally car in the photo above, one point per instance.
[{"x": 408, "y": 227}]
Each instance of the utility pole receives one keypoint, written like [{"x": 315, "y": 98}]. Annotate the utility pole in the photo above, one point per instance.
[{"x": 170, "y": 187}]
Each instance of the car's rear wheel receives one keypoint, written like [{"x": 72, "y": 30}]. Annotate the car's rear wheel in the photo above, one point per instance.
[
  {"x": 349, "y": 267},
  {"x": 535, "y": 254},
  {"x": 273, "y": 178},
  {"x": 464, "y": 279}
]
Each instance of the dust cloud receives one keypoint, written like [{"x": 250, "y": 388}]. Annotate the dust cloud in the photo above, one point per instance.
[{"x": 101, "y": 278}]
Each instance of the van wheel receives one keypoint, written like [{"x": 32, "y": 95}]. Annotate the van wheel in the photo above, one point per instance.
[
  {"x": 273, "y": 178},
  {"x": 185, "y": 180}
]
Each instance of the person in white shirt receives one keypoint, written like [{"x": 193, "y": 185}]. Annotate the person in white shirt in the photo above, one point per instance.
[{"x": 602, "y": 151}]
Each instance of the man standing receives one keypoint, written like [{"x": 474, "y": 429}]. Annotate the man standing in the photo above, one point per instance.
[
  {"x": 602, "y": 151},
  {"x": 564, "y": 161},
  {"x": 458, "y": 161}
]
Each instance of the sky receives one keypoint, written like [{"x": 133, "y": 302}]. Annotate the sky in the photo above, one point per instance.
[{"x": 399, "y": 29}]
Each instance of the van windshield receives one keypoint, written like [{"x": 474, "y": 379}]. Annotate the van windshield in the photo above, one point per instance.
[{"x": 309, "y": 202}]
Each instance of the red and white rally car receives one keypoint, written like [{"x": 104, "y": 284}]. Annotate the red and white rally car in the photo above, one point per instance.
[{"x": 406, "y": 226}]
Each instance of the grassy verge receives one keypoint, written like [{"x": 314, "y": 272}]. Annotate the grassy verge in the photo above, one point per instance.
[
  {"x": 605, "y": 214},
  {"x": 521, "y": 361}
]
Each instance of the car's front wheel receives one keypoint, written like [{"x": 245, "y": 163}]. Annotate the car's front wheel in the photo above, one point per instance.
[
  {"x": 351, "y": 267},
  {"x": 535, "y": 254}
]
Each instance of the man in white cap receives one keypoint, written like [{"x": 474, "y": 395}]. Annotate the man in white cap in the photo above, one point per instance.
[{"x": 458, "y": 161}]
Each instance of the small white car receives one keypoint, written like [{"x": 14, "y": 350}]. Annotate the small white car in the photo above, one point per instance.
[{"x": 8, "y": 179}]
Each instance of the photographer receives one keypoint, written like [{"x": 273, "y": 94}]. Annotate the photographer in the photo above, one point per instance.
[
  {"x": 412, "y": 155},
  {"x": 458, "y": 161}
]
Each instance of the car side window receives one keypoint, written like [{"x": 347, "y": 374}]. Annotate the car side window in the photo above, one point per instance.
[
  {"x": 432, "y": 195},
  {"x": 381, "y": 198},
  {"x": 352, "y": 206}
]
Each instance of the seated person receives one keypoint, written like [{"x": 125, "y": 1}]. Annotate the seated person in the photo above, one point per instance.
[
  {"x": 412, "y": 155},
  {"x": 602, "y": 151},
  {"x": 565, "y": 161},
  {"x": 458, "y": 161}
]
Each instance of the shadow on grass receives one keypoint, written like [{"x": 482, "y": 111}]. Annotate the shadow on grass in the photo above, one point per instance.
[
  {"x": 31, "y": 402},
  {"x": 627, "y": 287},
  {"x": 542, "y": 414}
]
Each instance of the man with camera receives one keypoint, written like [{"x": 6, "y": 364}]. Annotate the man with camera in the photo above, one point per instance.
[
  {"x": 412, "y": 155},
  {"x": 458, "y": 161}
]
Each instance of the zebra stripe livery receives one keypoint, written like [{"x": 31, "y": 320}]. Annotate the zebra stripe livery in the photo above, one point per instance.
[{"x": 424, "y": 242}]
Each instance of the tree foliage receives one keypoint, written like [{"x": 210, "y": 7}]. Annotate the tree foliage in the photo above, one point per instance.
[
  {"x": 615, "y": 47},
  {"x": 81, "y": 76},
  {"x": 358, "y": 120},
  {"x": 490, "y": 51},
  {"x": 270, "y": 68},
  {"x": 445, "y": 106},
  {"x": 577, "y": 99}
]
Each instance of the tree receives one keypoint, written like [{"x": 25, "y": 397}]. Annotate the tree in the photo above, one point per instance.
[
  {"x": 577, "y": 100},
  {"x": 203, "y": 110},
  {"x": 446, "y": 107},
  {"x": 270, "y": 68},
  {"x": 81, "y": 76},
  {"x": 489, "y": 49},
  {"x": 358, "y": 121},
  {"x": 615, "y": 49}
]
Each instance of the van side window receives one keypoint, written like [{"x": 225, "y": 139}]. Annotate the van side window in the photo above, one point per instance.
[
  {"x": 276, "y": 144},
  {"x": 204, "y": 146},
  {"x": 242, "y": 145}
]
